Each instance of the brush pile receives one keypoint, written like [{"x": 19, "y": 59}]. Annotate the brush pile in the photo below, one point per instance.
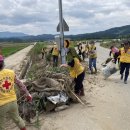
[
  {"x": 51, "y": 87},
  {"x": 50, "y": 90}
]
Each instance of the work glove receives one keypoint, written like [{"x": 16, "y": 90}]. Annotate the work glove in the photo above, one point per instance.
[
  {"x": 29, "y": 97},
  {"x": 113, "y": 60}
]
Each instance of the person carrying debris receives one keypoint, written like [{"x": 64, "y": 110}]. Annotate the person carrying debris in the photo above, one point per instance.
[
  {"x": 125, "y": 60},
  {"x": 8, "y": 100},
  {"x": 77, "y": 72},
  {"x": 92, "y": 57},
  {"x": 55, "y": 54},
  {"x": 114, "y": 51}
]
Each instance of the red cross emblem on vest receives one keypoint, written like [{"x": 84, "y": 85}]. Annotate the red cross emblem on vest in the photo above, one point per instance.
[{"x": 6, "y": 84}]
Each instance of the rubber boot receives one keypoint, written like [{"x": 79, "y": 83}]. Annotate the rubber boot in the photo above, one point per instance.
[
  {"x": 125, "y": 81},
  {"x": 82, "y": 92},
  {"x": 23, "y": 128},
  {"x": 77, "y": 93},
  {"x": 121, "y": 76},
  {"x": 92, "y": 71},
  {"x": 95, "y": 70}
]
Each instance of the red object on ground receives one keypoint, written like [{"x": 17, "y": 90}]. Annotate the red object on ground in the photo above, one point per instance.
[{"x": 23, "y": 129}]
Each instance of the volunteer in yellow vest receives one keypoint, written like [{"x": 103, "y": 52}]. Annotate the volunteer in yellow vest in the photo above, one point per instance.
[
  {"x": 121, "y": 46},
  {"x": 8, "y": 100},
  {"x": 77, "y": 72},
  {"x": 125, "y": 61},
  {"x": 55, "y": 54},
  {"x": 86, "y": 50},
  {"x": 76, "y": 69},
  {"x": 92, "y": 57}
]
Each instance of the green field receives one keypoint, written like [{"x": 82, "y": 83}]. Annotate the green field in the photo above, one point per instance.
[{"x": 11, "y": 48}]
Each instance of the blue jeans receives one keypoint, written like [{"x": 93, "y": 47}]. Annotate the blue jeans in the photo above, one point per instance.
[
  {"x": 92, "y": 63},
  {"x": 55, "y": 61}
]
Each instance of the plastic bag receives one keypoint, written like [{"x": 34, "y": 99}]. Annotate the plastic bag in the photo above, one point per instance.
[
  {"x": 60, "y": 98},
  {"x": 109, "y": 70}
]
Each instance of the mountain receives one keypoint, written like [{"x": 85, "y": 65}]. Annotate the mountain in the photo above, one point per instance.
[
  {"x": 11, "y": 34},
  {"x": 117, "y": 32},
  {"x": 112, "y": 33},
  {"x": 43, "y": 37}
]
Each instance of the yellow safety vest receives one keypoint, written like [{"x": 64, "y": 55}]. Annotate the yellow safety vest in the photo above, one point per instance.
[
  {"x": 94, "y": 55},
  {"x": 7, "y": 91},
  {"x": 125, "y": 56},
  {"x": 86, "y": 49},
  {"x": 55, "y": 51},
  {"x": 77, "y": 69}
]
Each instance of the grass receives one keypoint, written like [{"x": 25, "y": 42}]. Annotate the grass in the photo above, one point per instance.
[
  {"x": 109, "y": 43},
  {"x": 34, "y": 54},
  {"x": 8, "y": 49},
  {"x": 37, "y": 50},
  {"x": 73, "y": 43}
]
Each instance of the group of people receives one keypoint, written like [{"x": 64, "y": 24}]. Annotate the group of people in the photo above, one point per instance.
[
  {"x": 77, "y": 70},
  {"x": 122, "y": 55},
  {"x": 73, "y": 59},
  {"x": 54, "y": 53},
  {"x": 89, "y": 51},
  {"x": 8, "y": 99}
]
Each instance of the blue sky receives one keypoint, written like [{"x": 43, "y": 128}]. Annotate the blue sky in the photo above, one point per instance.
[{"x": 83, "y": 16}]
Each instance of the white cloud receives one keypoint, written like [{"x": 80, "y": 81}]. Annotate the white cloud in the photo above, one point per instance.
[{"x": 83, "y": 16}]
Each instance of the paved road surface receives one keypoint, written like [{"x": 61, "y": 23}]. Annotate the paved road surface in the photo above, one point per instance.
[{"x": 14, "y": 61}]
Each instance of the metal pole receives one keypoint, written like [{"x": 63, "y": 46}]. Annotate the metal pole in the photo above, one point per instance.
[{"x": 63, "y": 58}]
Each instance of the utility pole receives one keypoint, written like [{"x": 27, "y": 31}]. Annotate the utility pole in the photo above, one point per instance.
[{"x": 62, "y": 49}]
